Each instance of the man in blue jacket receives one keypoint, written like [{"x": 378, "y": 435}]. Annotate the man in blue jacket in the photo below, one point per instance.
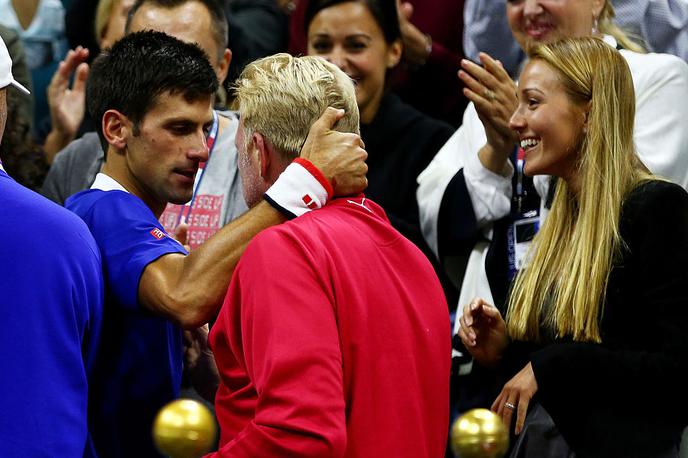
[{"x": 51, "y": 289}]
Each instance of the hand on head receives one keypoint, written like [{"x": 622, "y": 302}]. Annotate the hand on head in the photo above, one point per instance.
[
  {"x": 340, "y": 156},
  {"x": 483, "y": 332}
]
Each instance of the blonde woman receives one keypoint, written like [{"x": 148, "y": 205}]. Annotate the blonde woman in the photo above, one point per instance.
[
  {"x": 597, "y": 325},
  {"x": 476, "y": 205}
]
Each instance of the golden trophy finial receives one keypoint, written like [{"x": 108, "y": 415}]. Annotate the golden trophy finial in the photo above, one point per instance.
[
  {"x": 184, "y": 429},
  {"x": 479, "y": 433}
]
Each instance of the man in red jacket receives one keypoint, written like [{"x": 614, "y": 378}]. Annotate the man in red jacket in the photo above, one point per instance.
[{"x": 334, "y": 338}]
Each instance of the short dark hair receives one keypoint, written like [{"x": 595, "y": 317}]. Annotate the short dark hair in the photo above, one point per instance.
[
  {"x": 384, "y": 12},
  {"x": 217, "y": 16},
  {"x": 131, "y": 75}
]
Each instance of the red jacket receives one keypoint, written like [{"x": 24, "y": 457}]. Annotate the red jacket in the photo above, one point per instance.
[{"x": 334, "y": 340}]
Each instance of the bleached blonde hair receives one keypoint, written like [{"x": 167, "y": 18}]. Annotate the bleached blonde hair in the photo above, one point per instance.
[
  {"x": 281, "y": 96},
  {"x": 572, "y": 254}
]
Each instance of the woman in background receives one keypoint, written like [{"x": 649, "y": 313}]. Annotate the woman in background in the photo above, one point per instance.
[
  {"x": 596, "y": 329},
  {"x": 474, "y": 199},
  {"x": 362, "y": 37}
]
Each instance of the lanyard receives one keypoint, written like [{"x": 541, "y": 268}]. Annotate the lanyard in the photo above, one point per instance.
[
  {"x": 519, "y": 162},
  {"x": 525, "y": 217},
  {"x": 210, "y": 141}
]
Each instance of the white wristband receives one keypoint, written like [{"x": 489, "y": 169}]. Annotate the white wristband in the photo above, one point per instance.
[{"x": 299, "y": 189}]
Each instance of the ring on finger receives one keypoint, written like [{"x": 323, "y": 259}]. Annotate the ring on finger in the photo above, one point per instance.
[
  {"x": 489, "y": 94},
  {"x": 509, "y": 406}
]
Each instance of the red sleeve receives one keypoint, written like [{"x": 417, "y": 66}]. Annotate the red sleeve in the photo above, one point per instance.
[{"x": 291, "y": 350}]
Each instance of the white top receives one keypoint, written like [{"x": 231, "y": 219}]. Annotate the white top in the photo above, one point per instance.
[
  {"x": 107, "y": 183},
  {"x": 44, "y": 39}
]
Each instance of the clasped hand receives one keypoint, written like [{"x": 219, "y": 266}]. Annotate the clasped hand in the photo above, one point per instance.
[{"x": 483, "y": 332}]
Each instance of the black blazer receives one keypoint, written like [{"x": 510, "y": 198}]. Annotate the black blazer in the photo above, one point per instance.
[{"x": 627, "y": 397}]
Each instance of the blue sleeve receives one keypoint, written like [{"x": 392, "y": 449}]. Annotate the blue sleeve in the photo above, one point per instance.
[
  {"x": 129, "y": 237},
  {"x": 51, "y": 309}
]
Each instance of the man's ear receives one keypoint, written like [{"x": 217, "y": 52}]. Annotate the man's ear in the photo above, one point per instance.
[
  {"x": 223, "y": 67},
  {"x": 116, "y": 129},
  {"x": 261, "y": 148}
]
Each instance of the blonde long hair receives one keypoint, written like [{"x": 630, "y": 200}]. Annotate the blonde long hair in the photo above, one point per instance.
[{"x": 572, "y": 255}]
